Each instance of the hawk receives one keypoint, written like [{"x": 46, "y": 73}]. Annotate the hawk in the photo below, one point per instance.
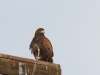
[{"x": 41, "y": 46}]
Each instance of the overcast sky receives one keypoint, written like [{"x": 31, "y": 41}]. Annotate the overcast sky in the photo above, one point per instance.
[{"x": 73, "y": 27}]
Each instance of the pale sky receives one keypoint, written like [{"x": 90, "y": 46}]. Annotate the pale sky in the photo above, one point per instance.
[{"x": 73, "y": 27}]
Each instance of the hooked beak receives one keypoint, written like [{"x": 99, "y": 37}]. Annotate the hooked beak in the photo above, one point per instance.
[{"x": 42, "y": 31}]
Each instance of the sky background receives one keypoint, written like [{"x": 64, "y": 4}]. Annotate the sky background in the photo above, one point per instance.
[{"x": 73, "y": 27}]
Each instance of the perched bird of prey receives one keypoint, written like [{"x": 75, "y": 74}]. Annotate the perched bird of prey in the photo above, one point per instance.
[{"x": 41, "y": 46}]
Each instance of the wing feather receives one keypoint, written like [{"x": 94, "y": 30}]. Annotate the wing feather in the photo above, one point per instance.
[{"x": 48, "y": 47}]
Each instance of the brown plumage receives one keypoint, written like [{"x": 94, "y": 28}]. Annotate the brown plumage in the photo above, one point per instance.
[{"x": 43, "y": 43}]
